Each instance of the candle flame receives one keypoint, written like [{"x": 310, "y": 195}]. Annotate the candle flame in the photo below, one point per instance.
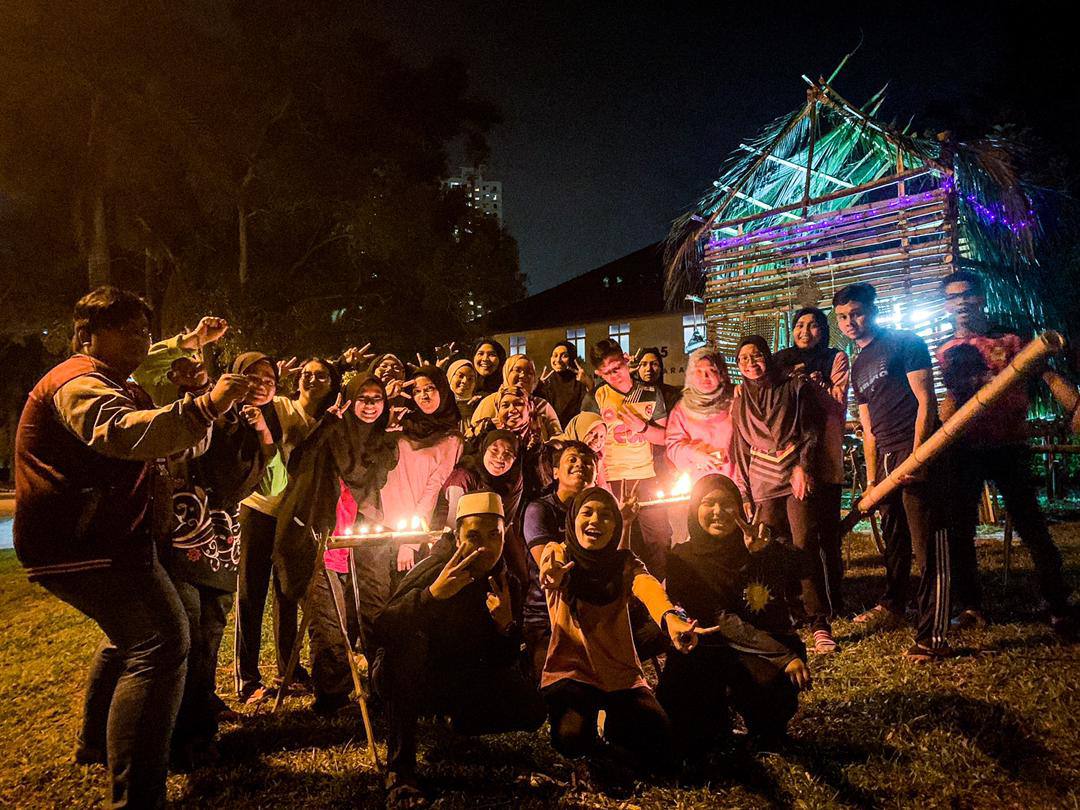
[
  {"x": 379, "y": 528},
  {"x": 364, "y": 529},
  {"x": 348, "y": 530},
  {"x": 659, "y": 493},
  {"x": 415, "y": 522},
  {"x": 402, "y": 525},
  {"x": 683, "y": 485}
]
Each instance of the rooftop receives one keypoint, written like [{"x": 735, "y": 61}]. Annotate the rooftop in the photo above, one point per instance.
[{"x": 630, "y": 286}]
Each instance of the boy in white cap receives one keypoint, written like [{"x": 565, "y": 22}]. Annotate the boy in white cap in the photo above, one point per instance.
[{"x": 448, "y": 644}]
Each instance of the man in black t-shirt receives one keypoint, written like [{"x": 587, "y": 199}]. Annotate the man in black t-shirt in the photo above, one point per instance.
[{"x": 894, "y": 388}]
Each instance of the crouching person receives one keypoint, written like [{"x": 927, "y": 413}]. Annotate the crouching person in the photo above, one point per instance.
[
  {"x": 448, "y": 645},
  {"x": 84, "y": 474},
  {"x": 592, "y": 664},
  {"x": 730, "y": 577}
]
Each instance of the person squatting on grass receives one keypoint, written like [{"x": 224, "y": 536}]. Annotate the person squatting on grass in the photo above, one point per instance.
[{"x": 448, "y": 643}]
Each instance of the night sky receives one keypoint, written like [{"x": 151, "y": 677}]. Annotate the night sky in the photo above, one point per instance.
[{"x": 616, "y": 121}]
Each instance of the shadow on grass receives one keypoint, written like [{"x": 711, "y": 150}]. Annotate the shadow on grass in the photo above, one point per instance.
[
  {"x": 291, "y": 730},
  {"x": 998, "y": 733}
]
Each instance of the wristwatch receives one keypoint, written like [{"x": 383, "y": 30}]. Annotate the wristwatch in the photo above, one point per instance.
[{"x": 678, "y": 611}]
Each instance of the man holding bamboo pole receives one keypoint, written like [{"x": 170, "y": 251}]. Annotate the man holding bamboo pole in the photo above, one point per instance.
[
  {"x": 894, "y": 388},
  {"x": 995, "y": 449}
]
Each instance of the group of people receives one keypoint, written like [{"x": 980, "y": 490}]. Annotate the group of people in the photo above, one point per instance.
[{"x": 150, "y": 497}]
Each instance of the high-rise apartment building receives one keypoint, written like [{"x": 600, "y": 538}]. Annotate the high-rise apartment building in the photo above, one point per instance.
[{"x": 480, "y": 193}]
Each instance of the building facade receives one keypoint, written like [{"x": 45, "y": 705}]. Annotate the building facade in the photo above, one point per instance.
[
  {"x": 481, "y": 193},
  {"x": 622, "y": 300}
]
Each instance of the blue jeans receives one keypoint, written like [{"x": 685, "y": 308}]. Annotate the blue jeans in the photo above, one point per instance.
[{"x": 137, "y": 676}]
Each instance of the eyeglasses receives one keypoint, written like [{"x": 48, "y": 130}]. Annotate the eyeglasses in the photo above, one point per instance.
[
  {"x": 370, "y": 400},
  {"x": 320, "y": 376}
]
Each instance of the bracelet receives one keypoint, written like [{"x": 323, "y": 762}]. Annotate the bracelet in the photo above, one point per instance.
[{"x": 678, "y": 611}]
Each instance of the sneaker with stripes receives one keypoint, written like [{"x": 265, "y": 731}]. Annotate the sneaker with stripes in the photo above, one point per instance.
[{"x": 824, "y": 643}]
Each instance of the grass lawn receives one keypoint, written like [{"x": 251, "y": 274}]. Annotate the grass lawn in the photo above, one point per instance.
[{"x": 998, "y": 726}]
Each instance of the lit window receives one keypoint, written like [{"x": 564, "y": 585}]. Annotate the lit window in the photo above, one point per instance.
[
  {"x": 620, "y": 333},
  {"x": 577, "y": 337},
  {"x": 693, "y": 331},
  {"x": 517, "y": 344}
]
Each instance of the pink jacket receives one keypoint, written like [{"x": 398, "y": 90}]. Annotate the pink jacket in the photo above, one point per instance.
[{"x": 689, "y": 436}]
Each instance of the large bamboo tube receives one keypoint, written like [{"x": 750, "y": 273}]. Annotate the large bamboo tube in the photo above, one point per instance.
[{"x": 1027, "y": 362}]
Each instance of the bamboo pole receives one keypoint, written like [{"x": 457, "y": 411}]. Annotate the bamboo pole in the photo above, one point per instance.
[
  {"x": 1024, "y": 364},
  {"x": 836, "y": 195}
]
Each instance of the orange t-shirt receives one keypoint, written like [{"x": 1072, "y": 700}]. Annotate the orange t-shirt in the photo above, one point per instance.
[{"x": 594, "y": 644}]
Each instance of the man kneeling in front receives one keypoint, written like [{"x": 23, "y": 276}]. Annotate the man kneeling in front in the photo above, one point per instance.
[{"x": 449, "y": 645}]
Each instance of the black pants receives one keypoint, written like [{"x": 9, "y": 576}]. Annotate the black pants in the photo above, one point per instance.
[
  {"x": 635, "y": 721},
  {"x": 797, "y": 519},
  {"x": 256, "y": 572},
  {"x": 137, "y": 676},
  {"x": 478, "y": 699},
  {"x": 330, "y": 673},
  {"x": 913, "y": 520},
  {"x": 826, "y": 505},
  {"x": 695, "y": 690},
  {"x": 207, "y": 610},
  {"x": 650, "y": 535},
  {"x": 1009, "y": 467},
  {"x": 375, "y": 569}
]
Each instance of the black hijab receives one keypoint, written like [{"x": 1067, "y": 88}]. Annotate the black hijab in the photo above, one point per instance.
[
  {"x": 716, "y": 560},
  {"x": 426, "y": 430},
  {"x": 507, "y": 485},
  {"x": 563, "y": 389},
  {"x": 819, "y": 359},
  {"x": 489, "y": 384},
  {"x": 598, "y": 575},
  {"x": 348, "y": 449}
]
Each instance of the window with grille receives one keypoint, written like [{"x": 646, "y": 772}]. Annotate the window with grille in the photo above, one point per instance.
[
  {"x": 577, "y": 337},
  {"x": 620, "y": 333},
  {"x": 517, "y": 344}
]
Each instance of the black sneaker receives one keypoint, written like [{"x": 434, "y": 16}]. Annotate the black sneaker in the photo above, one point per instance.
[
  {"x": 969, "y": 617},
  {"x": 329, "y": 705}
]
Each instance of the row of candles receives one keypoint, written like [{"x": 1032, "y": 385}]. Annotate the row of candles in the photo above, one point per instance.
[{"x": 417, "y": 527}]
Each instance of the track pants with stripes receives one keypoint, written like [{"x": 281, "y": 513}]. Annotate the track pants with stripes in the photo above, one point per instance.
[{"x": 914, "y": 521}]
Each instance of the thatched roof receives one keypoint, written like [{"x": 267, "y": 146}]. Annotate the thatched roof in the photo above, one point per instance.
[{"x": 851, "y": 148}]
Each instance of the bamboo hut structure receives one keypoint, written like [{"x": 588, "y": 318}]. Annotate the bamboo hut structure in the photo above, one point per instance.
[{"x": 829, "y": 196}]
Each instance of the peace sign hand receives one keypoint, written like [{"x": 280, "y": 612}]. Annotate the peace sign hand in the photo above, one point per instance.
[
  {"x": 396, "y": 388},
  {"x": 547, "y": 372},
  {"x": 397, "y": 413},
  {"x": 498, "y": 602},
  {"x": 756, "y": 536},
  {"x": 340, "y": 406},
  {"x": 554, "y": 569},
  {"x": 580, "y": 373},
  {"x": 355, "y": 357},
  {"x": 287, "y": 368},
  {"x": 454, "y": 575}
]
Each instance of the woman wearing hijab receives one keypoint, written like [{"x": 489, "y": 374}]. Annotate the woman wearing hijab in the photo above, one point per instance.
[
  {"x": 777, "y": 431},
  {"x": 387, "y": 367},
  {"x": 289, "y": 420},
  {"x": 729, "y": 576},
  {"x": 348, "y": 451},
  {"x": 651, "y": 371},
  {"x": 830, "y": 374},
  {"x": 208, "y": 483},
  {"x": 591, "y": 663},
  {"x": 519, "y": 371},
  {"x": 488, "y": 359},
  {"x": 565, "y": 385},
  {"x": 699, "y": 426},
  {"x": 462, "y": 378}
]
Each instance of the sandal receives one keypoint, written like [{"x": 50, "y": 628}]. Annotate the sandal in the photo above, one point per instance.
[{"x": 879, "y": 615}]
